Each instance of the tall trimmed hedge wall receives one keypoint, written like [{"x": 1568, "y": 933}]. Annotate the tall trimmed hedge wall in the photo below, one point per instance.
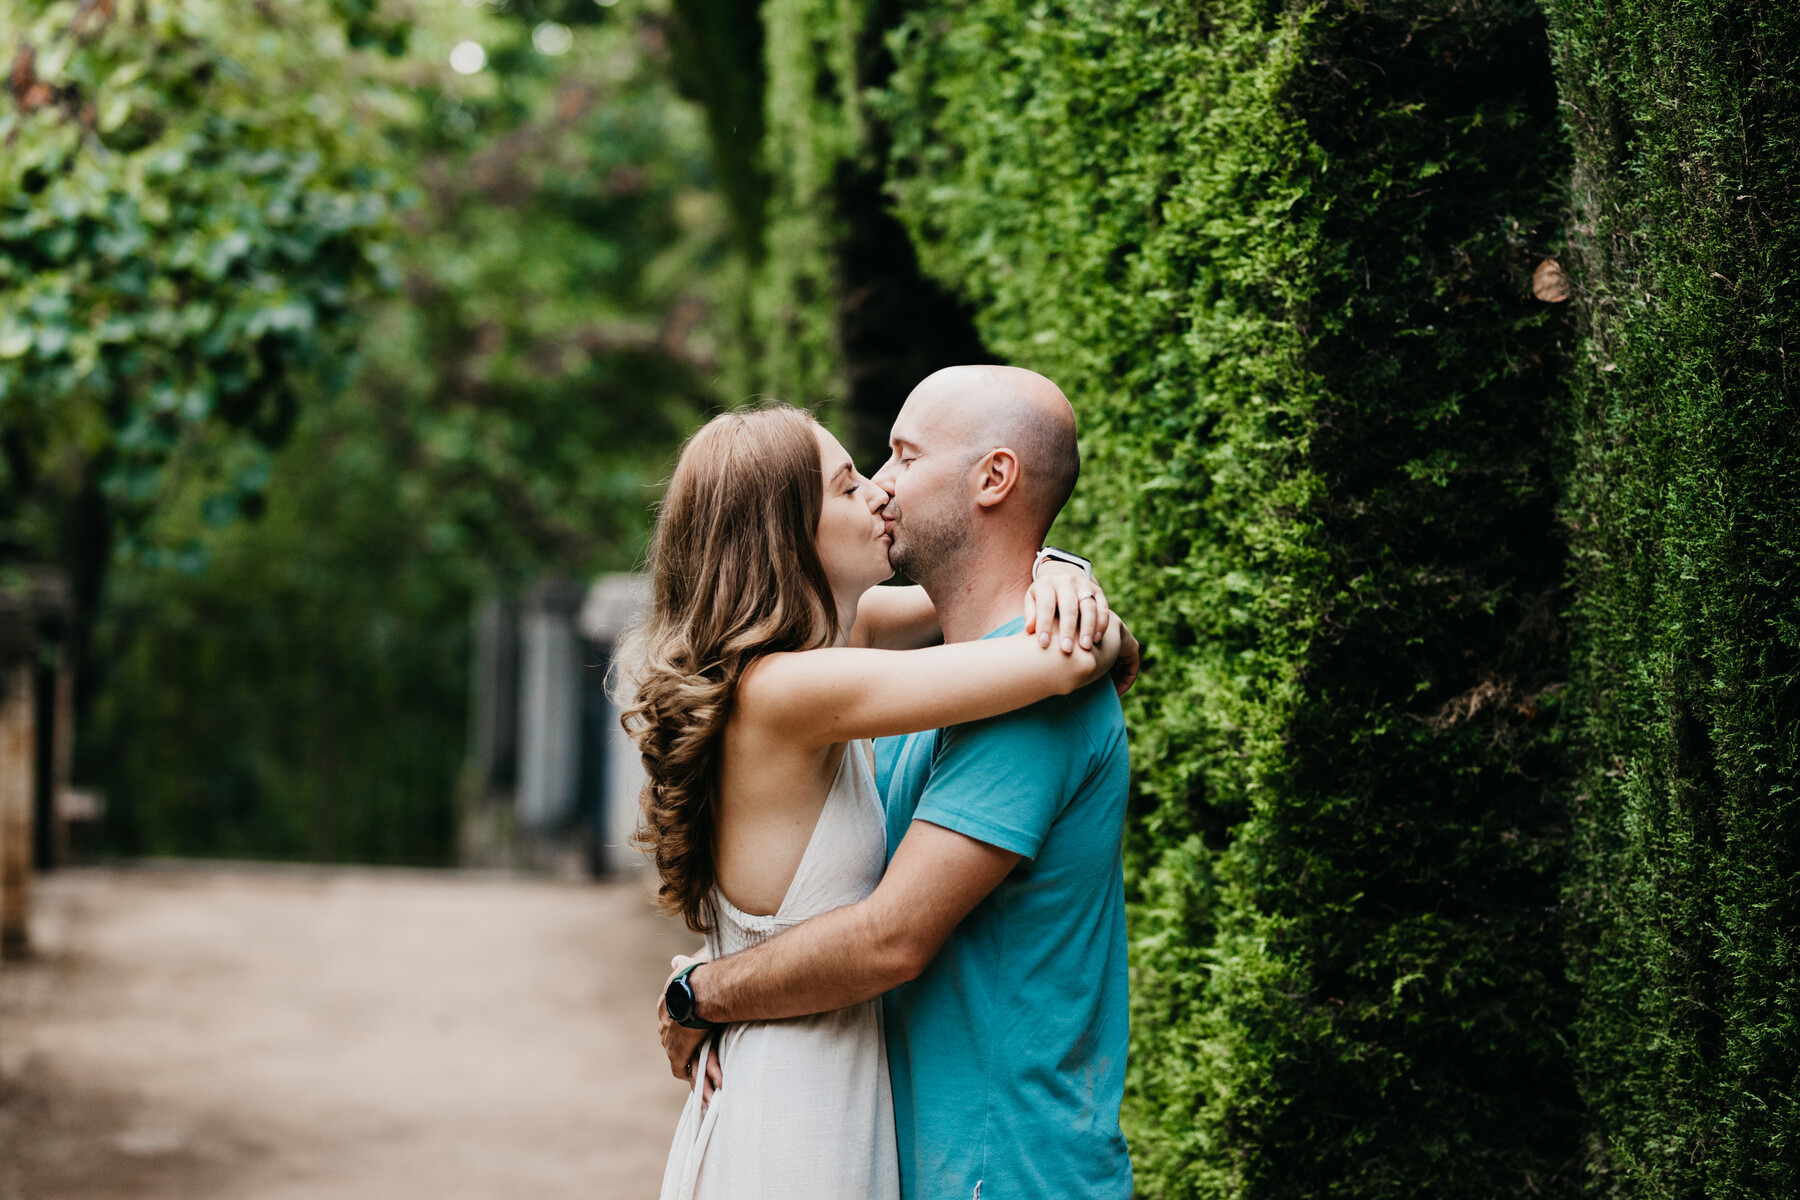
[
  {"x": 1463, "y": 840},
  {"x": 1281, "y": 260},
  {"x": 1684, "y": 502}
]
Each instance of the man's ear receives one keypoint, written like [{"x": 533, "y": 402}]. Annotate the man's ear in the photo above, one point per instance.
[{"x": 996, "y": 475}]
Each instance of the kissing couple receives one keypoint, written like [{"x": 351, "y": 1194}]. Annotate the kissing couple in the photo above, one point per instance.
[{"x": 894, "y": 812}]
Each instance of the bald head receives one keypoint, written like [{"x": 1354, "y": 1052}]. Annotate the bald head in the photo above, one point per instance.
[{"x": 987, "y": 407}]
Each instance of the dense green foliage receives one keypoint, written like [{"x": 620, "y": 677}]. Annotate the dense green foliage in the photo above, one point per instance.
[
  {"x": 830, "y": 306},
  {"x": 1465, "y": 858},
  {"x": 1282, "y": 257},
  {"x": 717, "y": 57},
  {"x": 553, "y": 340},
  {"x": 1281, "y": 260},
  {"x": 1685, "y": 506},
  {"x": 180, "y": 248},
  {"x": 299, "y": 691},
  {"x": 295, "y": 685}
]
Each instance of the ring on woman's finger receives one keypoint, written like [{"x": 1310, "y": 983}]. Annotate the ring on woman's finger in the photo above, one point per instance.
[{"x": 1087, "y": 596}]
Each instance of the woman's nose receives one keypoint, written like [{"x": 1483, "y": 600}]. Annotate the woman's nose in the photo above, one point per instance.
[{"x": 878, "y": 496}]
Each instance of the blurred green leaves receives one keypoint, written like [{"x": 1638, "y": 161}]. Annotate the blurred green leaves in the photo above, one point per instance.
[
  {"x": 370, "y": 336},
  {"x": 181, "y": 243},
  {"x": 552, "y": 341}
]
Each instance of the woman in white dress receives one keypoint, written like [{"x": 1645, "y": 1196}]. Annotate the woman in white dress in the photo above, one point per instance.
[{"x": 768, "y": 659}]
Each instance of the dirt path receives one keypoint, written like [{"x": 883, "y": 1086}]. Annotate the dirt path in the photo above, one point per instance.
[{"x": 269, "y": 1034}]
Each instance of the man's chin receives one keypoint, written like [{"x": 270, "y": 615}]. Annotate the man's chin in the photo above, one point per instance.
[{"x": 898, "y": 567}]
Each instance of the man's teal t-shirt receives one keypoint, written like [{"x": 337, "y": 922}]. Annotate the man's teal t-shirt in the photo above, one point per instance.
[{"x": 1008, "y": 1053}]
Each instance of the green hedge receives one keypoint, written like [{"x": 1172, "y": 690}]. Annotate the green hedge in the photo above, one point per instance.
[
  {"x": 1281, "y": 259},
  {"x": 1685, "y": 507},
  {"x": 833, "y": 310},
  {"x": 303, "y": 696},
  {"x": 1463, "y": 848}
]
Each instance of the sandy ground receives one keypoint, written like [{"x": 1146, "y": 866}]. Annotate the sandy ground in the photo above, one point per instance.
[{"x": 224, "y": 1033}]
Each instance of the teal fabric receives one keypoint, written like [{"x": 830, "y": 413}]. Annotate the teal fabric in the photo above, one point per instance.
[{"x": 1008, "y": 1052}]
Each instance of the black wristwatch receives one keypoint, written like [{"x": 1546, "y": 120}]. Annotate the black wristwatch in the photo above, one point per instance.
[{"x": 680, "y": 1003}]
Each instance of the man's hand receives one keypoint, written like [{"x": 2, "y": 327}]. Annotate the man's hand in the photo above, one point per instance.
[
  {"x": 680, "y": 1043},
  {"x": 1063, "y": 602}
]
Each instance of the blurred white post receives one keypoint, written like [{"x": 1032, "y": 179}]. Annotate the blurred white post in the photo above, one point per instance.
[
  {"x": 613, "y": 607},
  {"x": 549, "y": 707}
]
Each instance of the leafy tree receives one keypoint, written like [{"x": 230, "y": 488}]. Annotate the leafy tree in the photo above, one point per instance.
[
  {"x": 553, "y": 339},
  {"x": 514, "y": 403},
  {"x": 189, "y": 209}
]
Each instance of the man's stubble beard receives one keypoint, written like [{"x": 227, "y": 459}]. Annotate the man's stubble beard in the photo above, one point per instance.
[{"x": 927, "y": 547}]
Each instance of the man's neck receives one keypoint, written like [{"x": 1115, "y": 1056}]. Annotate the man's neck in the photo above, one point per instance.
[{"x": 974, "y": 600}]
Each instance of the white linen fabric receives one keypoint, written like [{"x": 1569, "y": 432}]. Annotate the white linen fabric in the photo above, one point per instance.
[{"x": 805, "y": 1112}]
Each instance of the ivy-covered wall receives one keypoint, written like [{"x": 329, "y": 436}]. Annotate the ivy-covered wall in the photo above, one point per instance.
[
  {"x": 1430, "y": 357},
  {"x": 1684, "y": 507}
]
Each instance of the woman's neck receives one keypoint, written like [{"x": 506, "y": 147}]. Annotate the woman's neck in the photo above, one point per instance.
[{"x": 846, "y": 610}]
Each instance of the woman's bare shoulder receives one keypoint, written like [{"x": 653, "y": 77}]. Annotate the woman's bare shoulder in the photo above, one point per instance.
[{"x": 773, "y": 681}]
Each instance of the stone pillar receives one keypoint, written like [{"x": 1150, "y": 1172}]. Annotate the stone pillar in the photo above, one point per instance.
[{"x": 549, "y": 740}]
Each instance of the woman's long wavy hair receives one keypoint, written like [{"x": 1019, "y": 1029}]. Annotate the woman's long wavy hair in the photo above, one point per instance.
[{"x": 735, "y": 574}]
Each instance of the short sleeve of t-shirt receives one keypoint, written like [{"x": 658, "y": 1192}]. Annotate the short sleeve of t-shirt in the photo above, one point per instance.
[{"x": 1004, "y": 781}]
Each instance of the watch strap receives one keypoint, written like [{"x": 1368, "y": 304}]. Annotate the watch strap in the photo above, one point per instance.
[{"x": 1052, "y": 554}]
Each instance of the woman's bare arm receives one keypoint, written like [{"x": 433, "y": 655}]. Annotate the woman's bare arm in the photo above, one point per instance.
[
  {"x": 895, "y": 618},
  {"x": 818, "y": 697}
]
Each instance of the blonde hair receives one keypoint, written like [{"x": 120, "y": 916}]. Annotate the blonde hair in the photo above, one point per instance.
[{"x": 735, "y": 574}]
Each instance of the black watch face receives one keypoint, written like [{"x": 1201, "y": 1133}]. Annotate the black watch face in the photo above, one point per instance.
[{"x": 679, "y": 1000}]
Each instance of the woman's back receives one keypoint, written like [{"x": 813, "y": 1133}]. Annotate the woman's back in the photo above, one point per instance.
[
  {"x": 770, "y": 796},
  {"x": 840, "y": 862},
  {"x": 805, "y": 1110}
]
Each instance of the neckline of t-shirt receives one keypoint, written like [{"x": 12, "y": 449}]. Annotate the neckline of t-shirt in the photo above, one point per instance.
[{"x": 1005, "y": 629}]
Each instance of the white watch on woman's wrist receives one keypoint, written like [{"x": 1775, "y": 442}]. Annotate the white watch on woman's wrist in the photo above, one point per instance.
[{"x": 1052, "y": 554}]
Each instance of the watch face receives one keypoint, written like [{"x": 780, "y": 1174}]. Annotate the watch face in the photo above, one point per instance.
[{"x": 679, "y": 1000}]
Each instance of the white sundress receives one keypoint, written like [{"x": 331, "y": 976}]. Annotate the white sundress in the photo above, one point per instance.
[{"x": 805, "y": 1111}]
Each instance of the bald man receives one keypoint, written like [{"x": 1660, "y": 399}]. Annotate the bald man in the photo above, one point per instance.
[{"x": 998, "y": 932}]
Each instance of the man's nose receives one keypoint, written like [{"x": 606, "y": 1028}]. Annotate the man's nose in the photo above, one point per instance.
[{"x": 884, "y": 478}]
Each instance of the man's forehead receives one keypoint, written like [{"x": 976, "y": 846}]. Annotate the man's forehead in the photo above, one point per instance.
[{"x": 933, "y": 413}]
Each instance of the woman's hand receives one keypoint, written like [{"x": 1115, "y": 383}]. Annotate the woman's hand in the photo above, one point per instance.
[{"x": 1063, "y": 602}]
